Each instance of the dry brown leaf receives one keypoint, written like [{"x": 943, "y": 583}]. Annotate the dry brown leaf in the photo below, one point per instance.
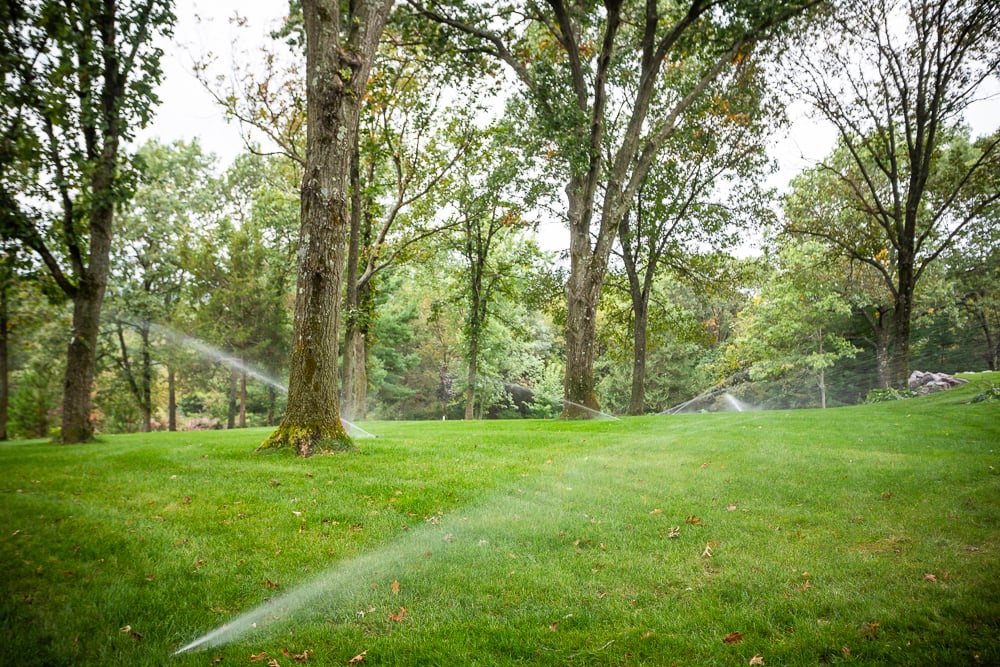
[
  {"x": 707, "y": 553},
  {"x": 358, "y": 659},
  {"x": 733, "y": 638},
  {"x": 273, "y": 662},
  {"x": 757, "y": 660},
  {"x": 395, "y": 587},
  {"x": 398, "y": 616},
  {"x": 930, "y": 577},
  {"x": 731, "y": 507},
  {"x": 675, "y": 531},
  {"x": 216, "y": 661},
  {"x": 257, "y": 658},
  {"x": 657, "y": 511},
  {"x": 693, "y": 520},
  {"x": 125, "y": 629}
]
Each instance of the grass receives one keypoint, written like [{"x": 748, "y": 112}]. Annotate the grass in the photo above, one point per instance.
[{"x": 861, "y": 535}]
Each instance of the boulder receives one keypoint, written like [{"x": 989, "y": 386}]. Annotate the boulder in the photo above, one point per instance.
[{"x": 928, "y": 383}]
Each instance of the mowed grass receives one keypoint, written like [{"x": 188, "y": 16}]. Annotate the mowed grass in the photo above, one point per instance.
[{"x": 866, "y": 535}]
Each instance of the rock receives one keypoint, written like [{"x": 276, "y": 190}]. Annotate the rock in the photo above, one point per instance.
[{"x": 928, "y": 383}]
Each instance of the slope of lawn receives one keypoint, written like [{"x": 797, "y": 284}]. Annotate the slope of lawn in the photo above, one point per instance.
[{"x": 866, "y": 534}]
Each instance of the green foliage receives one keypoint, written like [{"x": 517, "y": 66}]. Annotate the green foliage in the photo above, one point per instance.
[
  {"x": 991, "y": 394},
  {"x": 888, "y": 394}
]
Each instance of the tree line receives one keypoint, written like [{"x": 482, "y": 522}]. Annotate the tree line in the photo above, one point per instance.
[{"x": 377, "y": 249}]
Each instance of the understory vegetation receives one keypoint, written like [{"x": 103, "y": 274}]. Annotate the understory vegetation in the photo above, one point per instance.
[{"x": 861, "y": 534}]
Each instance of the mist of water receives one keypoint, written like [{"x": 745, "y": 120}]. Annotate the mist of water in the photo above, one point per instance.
[
  {"x": 485, "y": 532},
  {"x": 591, "y": 411},
  {"x": 215, "y": 354}
]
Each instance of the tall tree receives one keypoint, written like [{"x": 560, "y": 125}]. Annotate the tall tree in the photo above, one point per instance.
[
  {"x": 78, "y": 79},
  {"x": 340, "y": 47},
  {"x": 703, "y": 191},
  {"x": 175, "y": 192},
  {"x": 606, "y": 89},
  {"x": 894, "y": 78},
  {"x": 791, "y": 326}
]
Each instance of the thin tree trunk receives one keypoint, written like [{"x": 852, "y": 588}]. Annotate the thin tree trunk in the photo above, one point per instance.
[
  {"x": 470, "y": 389},
  {"x": 243, "y": 400},
  {"x": 146, "y": 387},
  {"x": 171, "y": 399},
  {"x": 4, "y": 363},
  {"x": 231, "y": 412},
  {"x": 637, "y": 402}
]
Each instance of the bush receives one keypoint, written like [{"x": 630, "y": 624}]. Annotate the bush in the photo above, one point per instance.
[
  {"x": 991, "y": 394},
  {"x": 890, "y": 394}
]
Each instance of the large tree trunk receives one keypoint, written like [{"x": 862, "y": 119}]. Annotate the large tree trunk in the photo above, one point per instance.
[
  {"x": 335, "y": 82},
  {"x": 583, "y": 290},
  {"x": 81, "y": 359}
]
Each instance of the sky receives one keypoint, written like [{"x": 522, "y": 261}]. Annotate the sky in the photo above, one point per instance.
[{"x": 187, "y": 110}]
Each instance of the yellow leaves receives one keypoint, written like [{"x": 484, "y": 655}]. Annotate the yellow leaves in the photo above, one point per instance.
[{"x": 693, "y": 520}]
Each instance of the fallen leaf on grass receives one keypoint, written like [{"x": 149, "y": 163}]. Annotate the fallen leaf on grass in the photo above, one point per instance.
[
  {"x": 707, "y": 553},
  {"x": 757, "y": 660},
  {"x": 693, "y": 520},
  {"x": 16, "y": 533},
  {"x": 216, "y": 661},
  {"x": 675, "y": 531},
  {"x": 257, "y": 658},
  {"x": 930, "y": 577},
  {"x": 733, "y": 638},
  {"x": 657, "y": 511},
  {"x": 124, "y": 629},
  {"x": 358, "y": 659},
  {"x": 267, "y": 583},
  {"x": 395, "y": 588},
  {"x": 554, "y": 626},
  {"x": 731, "y": 507},
  {"x": 871, "y": 630},
  {"x": 845, "y": 651},
  {"x": 398, "y": 616},
  {"x": 273, "y": 662},
  {"x": 297, "y": 657}
]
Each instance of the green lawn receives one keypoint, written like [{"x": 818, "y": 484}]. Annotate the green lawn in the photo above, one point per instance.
[{"x": 866, "y": 534}]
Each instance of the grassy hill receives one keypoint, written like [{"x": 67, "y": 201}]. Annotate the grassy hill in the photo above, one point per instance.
[{"x": 867, "y": 534}]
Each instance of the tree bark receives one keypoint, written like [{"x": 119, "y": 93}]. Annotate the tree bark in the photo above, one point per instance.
[
  {"x": 171, "y": 399},
  {"x": 4, "y": 351},
  {"x": 336, "y": 75}
]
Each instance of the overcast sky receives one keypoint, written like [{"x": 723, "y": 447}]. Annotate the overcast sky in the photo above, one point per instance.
[{"x": 187, "y": 110}]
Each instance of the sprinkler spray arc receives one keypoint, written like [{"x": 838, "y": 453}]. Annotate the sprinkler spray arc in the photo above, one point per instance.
[{"x": 215, "y": 354}]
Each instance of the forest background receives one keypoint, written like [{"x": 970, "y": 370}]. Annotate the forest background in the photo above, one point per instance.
[{"x": 458, "y": 307}]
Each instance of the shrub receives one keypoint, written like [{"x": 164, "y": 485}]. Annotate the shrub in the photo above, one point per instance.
[
  {"x": 890, "y": 394},
  {"x": 991, "y": 394}
]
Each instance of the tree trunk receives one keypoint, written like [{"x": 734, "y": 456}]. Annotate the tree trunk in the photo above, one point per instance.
[
  {"x": 902, "y": 318},
  {"x": 243, "y": 400},
  {"x": 470, "y": 388},
  {"x": 146, "y": 402},
  {"x": 637, "y": 403},
  {"x": 359, "y": 353},
  {"x": 583, "y": 289},
  {"x": 4, "y": 364},
  {"x": 81, "y": 358},
  {"x": 171, "y": 400},
  {"x": 353, "y": 324},
  {"x": 231, "y": 412},
  {"x": 335, "y": 80}
]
